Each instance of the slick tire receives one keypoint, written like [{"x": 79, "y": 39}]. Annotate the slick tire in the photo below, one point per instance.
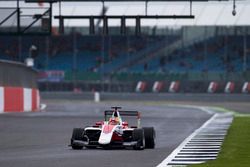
[
  {"x": 138, "y": 135},
  {"x": 149, "y": 134},
  {"x": 77, "y": 135}
]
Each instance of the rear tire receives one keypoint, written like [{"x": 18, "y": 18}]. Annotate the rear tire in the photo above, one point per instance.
[
  {"x": 149, "y": 134},
  {"x": 138, "y": 135},
  {"x": 77, "y": 135}
]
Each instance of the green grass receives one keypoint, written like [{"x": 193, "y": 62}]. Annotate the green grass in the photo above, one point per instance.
[{"x": 235, "y": 150}]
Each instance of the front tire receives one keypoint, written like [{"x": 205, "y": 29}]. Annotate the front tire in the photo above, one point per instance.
[
  {"x": 138, "y": 135},
  {"x": 149, "y": 134},
  {"x": 77, "y": 135}
]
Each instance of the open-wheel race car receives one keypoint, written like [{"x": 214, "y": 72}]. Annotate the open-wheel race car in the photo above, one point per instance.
[{"x": 113, "y": 132}]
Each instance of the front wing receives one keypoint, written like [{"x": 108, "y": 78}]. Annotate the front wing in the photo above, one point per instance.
[{"x": 91, "y": 137}]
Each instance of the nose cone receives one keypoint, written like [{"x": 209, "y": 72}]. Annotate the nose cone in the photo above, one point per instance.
[
  {"x": 105, "y": 138},
  {"x": 106, "y": 135},
  {"x": 104, "y": 141}
]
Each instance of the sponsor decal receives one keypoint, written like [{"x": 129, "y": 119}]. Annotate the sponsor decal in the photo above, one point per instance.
[
  {"x": 108, "y": 128},
  {"x": 51, "y": 76}
]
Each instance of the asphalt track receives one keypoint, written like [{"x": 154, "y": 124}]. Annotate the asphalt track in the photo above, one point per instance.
[{"x": 41, "y": 139}]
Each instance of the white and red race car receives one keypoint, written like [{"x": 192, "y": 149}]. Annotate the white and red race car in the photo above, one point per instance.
[{"x": 113, "y": 132}]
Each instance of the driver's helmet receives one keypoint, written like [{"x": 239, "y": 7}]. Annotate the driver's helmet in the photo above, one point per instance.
[{"x": 114, "y": 121}]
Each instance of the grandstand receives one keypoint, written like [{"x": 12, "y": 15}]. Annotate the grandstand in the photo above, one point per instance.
[
  {"x": 222, "y": 53},
  {"x": 214, "y": 46}
]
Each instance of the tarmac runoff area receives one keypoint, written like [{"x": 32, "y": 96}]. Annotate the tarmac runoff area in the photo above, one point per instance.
[{"x": 41, "y": 139}]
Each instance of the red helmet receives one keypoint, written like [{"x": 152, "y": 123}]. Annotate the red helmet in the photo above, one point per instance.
[{"x": 112, "y": 121}]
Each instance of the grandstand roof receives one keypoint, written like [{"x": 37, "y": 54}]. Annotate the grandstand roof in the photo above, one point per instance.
[{"x": 206, "y": 13}]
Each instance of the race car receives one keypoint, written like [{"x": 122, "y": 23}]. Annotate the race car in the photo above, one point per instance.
[{"x": 113, "y": 132}]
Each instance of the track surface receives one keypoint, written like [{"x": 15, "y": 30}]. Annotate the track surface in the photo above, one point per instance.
[{"x": 41, "y": 139}]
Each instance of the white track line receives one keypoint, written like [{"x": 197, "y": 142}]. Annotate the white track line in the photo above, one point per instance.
[
  {"x": 198, "y": 153},
  {"x": 182, "y": 145},
  {"x": 186, "y": 163},
  {"x": 205, "y": 140}
]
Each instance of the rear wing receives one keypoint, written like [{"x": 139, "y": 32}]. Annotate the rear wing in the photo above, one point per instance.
[{"x": 137, "y": 114}]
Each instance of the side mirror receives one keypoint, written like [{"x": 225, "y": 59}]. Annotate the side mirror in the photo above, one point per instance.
[
  {"x": 124, "y": 123},
  {"x": 98, "y": 123}
]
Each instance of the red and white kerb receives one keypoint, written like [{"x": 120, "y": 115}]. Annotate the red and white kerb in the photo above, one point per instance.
[{"x": 18, "y": 99}]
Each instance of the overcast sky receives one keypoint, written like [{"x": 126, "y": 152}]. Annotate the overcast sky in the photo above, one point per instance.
[{"x": 206, "y": 13}]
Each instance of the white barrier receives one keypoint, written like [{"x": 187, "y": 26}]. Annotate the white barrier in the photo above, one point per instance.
[
  {"x": 97, "y": 97},
  {"x": 38, "y": 98},
  {"x": 140, "y": 87},
  {"x": 27, "y": 93},
  {"x": 229, "y": 87},
  {"x": 246, "y": 87},
  {"x": 212, "y": 88},
  {"x": 174, "y": 86},
  {"x": 157, "y": 87}
]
